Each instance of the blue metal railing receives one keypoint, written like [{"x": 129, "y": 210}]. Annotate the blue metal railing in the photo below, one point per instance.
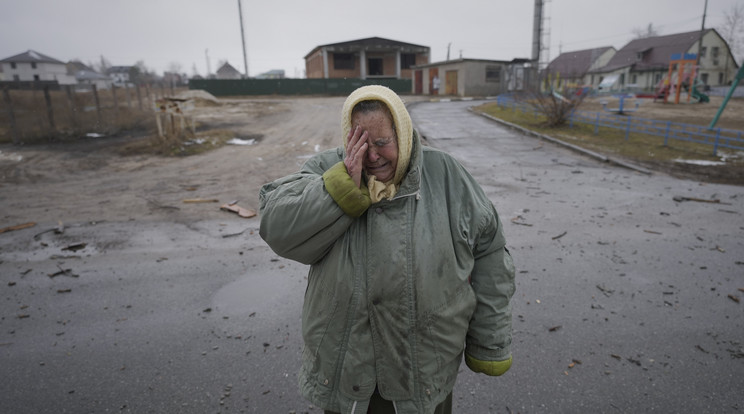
[{"x": 717, "y": 137}]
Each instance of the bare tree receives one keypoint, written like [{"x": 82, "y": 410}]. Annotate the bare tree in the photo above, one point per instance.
[
  {"x": 556, "y": 108},
  {"x": 649, "y": 31},
  {"x": 732, "y": 30}
]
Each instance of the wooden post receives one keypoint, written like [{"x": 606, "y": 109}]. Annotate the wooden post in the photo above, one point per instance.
[
  {"x": 139, "y": 96},
  {"x": 11, "y": 116},
  {"x": 116, "y": 102},
  {"x": 129, "y": 99},
  {"x": 71, "y": 105},
  {"x": 98, "y": 105},
  {"x": 50, "y": 112}
]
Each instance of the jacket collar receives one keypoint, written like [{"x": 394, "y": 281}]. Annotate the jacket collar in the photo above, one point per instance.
[{"x": 412, "y": 181}]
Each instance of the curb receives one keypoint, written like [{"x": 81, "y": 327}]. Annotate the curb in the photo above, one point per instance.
[{"x": 573, "y": 147}]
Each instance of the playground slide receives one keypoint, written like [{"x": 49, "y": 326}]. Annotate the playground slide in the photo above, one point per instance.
[{"x": 699, "y": 96}]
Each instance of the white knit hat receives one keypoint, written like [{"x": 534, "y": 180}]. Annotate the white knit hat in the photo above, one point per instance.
[{"x": 401, "y": 119}]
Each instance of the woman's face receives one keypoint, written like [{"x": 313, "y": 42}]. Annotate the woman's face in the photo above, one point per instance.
[{"x": 381, "y": 159}]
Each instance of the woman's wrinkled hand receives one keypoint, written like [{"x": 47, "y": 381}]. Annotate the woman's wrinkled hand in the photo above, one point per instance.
[{"x": 356, "y": 150}]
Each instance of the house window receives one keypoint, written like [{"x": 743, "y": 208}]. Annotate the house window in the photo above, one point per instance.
[
  {"x": 36, "y": 77},
  {"x": 704, "y": 78},
  {"x": 715, "y": 51},
  {"x": 12, "y": 65},
  {"x": 16, "y": 78},
  {"x": 343, "y": 61},
  {"x": 33, "y": 65},
  {"x": 702, "y": 51},
  {"x": 720, "y": 78},
  {"x": 657, "y": 78},
  {"x": 407, "y": 60},
  {"x": 633, "y": 78},
  {"x": 493, "y": 74}
]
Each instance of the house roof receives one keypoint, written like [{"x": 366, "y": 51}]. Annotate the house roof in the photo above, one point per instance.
[
  {"x": 227, "y": 68},
  {"x": 76, "y": 66},
  {"x": 572, "y": 64},
  {"x": 118, "y": 69},
  {"x": 459, "y": 61},
  {"x": 30, "y": 56},
  {"x": 652, "y": 52},
  {"x": 368, "y": 43}
]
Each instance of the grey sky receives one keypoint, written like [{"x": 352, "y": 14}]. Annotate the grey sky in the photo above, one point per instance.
[{"x": 280, "y": 33}]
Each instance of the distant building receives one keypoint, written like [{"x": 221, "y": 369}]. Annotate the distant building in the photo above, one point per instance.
[
  {"x": 119, "y": 74},
  {"x": 85, "y": 75},
  {"x": 368, "y": 58},
  {"x": 643, "y": 63},
  {"x": 570, "y": 69},
  {"x": 272, "y": 74},
  {"x": 461, "y": 77},
  {"x": 32, "y": 66},
  {"x": 227, "y": 71}
]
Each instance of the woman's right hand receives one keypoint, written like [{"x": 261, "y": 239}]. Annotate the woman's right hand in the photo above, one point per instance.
[{"x": 356, "y": 150}]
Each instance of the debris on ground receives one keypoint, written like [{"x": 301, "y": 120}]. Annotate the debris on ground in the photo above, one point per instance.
[
  {"x": 241, "y": 211},
  {"x": 17, "y": 227},
  {"x": 560, "y": 235},
  {"x": 680, "y": 199},
  {"x": 58, "y": 229},
  {"x": 75, "y": 247},
  {"x": 200, "y": 200}
]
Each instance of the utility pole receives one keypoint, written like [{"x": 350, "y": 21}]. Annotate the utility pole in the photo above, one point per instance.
[
  {"x": 700, "y": 41},
  {"x": 242, "y": 37},
  {"x": 448, "y": 49},
  {"x": 209, "y": 70}
]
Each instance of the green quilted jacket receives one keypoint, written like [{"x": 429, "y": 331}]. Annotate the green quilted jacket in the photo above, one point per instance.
[{"x": 396, "y": 294}]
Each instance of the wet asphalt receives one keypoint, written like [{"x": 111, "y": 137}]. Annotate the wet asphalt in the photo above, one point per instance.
[{"x": 625, "y": 302}]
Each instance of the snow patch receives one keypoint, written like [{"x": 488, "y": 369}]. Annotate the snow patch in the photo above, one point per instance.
[
  {"x": 700, "y": 162},
  {"x": 239, "y": 141}
]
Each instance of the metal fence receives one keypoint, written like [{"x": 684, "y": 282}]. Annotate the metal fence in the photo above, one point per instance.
[
  {"x": 236, "y": 87},
  {"x": 716, "y": 137}
]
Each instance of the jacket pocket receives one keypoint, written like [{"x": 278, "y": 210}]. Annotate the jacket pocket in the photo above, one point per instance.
[{"x": 442, "y": 331}]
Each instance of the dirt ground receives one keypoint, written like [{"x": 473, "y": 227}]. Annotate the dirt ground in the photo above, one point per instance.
[{"x": 90, "y": 178}]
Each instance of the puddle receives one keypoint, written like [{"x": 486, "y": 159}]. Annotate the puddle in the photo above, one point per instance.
[{"x": 254, "y": 290}]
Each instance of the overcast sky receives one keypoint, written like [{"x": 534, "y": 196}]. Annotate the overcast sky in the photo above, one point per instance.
[{"x": 279, "y": 33}]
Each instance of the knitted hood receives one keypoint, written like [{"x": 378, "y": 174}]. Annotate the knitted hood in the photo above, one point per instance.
[{"x": 401, "y": 120}]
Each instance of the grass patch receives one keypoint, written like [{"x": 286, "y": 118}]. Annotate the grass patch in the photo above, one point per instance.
[{"x": 608, "y": 141}]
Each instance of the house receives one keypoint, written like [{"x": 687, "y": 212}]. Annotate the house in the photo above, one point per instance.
[
  {"x": 643, "y": 63},
  {"x": 227, "y": 71},
  {"x": 86, "y": 76},
  {"x": 272, "y": 74},
  {"x": 32, "y": 66},
  {"x": 120, "y": 75},
  {"x": 570, "y": 69},
  {"x": 461, "y": 77},
  {"x": 369, "y": 58}
]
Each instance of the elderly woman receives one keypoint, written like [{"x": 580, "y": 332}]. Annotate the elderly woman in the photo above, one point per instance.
[{"x": 409, "y": 268}]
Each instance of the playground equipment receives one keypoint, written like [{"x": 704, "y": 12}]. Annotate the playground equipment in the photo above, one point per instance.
[
  {"x": 620, "y": 110},
  {"x": 686, "y": 67},
  {"x": 739, "y": 76}
]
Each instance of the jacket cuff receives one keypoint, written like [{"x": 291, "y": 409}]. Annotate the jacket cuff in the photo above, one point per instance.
[
  {"x": 484, "y": 354},
  {"x": 354, "y": 201}
]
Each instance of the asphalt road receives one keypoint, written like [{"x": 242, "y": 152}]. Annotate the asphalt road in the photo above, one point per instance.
[{"x": 623, "y": 299}]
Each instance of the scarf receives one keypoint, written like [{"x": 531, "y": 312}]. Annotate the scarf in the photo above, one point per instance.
[{"x": 403, "y": 128}]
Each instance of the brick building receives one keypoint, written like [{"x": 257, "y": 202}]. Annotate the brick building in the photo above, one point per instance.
[{"x": 368, "y": 58}]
